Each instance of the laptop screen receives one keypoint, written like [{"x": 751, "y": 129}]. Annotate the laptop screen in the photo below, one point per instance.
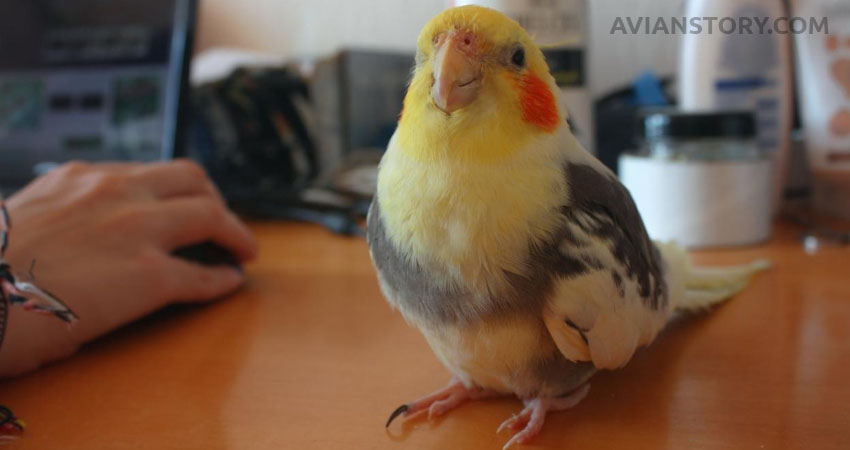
[{"x": 89, "y": 80}]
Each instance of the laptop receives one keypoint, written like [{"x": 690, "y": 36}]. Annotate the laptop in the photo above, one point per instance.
[{"x": 91, "y": 80}]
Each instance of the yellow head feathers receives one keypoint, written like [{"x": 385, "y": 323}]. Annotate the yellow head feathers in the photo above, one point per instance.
[
  {"x": 481, "y": 90},
  {"x": 496, "y": 29}
]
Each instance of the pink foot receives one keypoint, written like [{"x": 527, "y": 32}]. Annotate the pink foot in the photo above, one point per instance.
[
  {"x": 443, "y": 400},
  {"x": 534, "y": 414}
]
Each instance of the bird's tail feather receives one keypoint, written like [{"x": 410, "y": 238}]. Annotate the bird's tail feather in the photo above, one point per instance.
[{"x": 706, "y": 286}]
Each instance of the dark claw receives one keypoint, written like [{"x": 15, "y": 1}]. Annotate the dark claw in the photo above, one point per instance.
[{"x": 398, "y": 411}]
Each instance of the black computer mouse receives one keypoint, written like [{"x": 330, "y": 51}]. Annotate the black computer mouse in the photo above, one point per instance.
[{"x": 207, "y": 253}]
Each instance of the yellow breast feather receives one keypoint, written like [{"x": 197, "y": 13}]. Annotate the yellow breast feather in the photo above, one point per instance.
[{"x": 472, "y": 221}]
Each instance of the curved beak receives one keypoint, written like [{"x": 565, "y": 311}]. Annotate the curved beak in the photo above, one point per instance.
[{"x": 457, "y": 74}]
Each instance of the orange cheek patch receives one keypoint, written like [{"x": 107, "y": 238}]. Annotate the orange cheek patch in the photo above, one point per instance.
[{"x": 538, "y": 103}]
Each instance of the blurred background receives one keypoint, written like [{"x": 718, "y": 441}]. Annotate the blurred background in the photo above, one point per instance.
[
  {"x": 718, "y": 114},
  {"x": 309, "y": 29}
]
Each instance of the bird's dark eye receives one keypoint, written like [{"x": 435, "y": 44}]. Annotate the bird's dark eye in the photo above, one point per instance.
[{"x": 518, "y": 58}]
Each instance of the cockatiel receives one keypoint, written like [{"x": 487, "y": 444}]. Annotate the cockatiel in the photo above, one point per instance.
[{"x": 520, "y": 257}]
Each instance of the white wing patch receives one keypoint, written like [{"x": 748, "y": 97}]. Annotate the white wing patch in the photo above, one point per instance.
[
  {"x": 592, "y": 317},
  {"x": 571, "y": 342}
]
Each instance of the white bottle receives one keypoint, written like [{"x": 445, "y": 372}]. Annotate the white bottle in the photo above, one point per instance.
[
  {"x": 738, "y": 59},
  {"x": 560, "y": 28},
  {"x": 823, "y": 81}
]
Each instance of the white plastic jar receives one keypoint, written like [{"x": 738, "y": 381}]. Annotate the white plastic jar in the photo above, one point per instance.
[{"x": 700, "y": 179}]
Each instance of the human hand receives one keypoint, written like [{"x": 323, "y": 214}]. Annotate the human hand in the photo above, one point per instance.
[{"x": 102, "y": 235}]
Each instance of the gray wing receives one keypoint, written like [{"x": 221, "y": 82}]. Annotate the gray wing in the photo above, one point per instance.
[
  {"x": 407, "y": 285},
  {"x": 601, "y": 206},
  {"x": 418, "y": 293},
  {"x": 611, "y": 296}
]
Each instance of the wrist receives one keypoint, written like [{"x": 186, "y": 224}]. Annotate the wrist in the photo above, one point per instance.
[{"x": 33, "y": 340}]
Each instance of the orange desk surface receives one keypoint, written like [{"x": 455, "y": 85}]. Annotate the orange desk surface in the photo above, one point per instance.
[{"x": 309, "y": 356}]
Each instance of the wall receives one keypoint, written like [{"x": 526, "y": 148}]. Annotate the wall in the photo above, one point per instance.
[{"x": 318, "y": 27}]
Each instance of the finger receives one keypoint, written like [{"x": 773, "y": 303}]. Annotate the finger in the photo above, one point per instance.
[
  {"x": 187, "y": 281},
  {"x": 183, "y": 221},
  {"x": 175, "y": 178}
]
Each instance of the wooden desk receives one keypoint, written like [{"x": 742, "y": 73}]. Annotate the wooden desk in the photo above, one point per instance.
[{"x": 309, "y": 356}]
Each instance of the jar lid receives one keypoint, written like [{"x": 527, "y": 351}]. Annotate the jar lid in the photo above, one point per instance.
[{"x": 680, "y": 124}]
